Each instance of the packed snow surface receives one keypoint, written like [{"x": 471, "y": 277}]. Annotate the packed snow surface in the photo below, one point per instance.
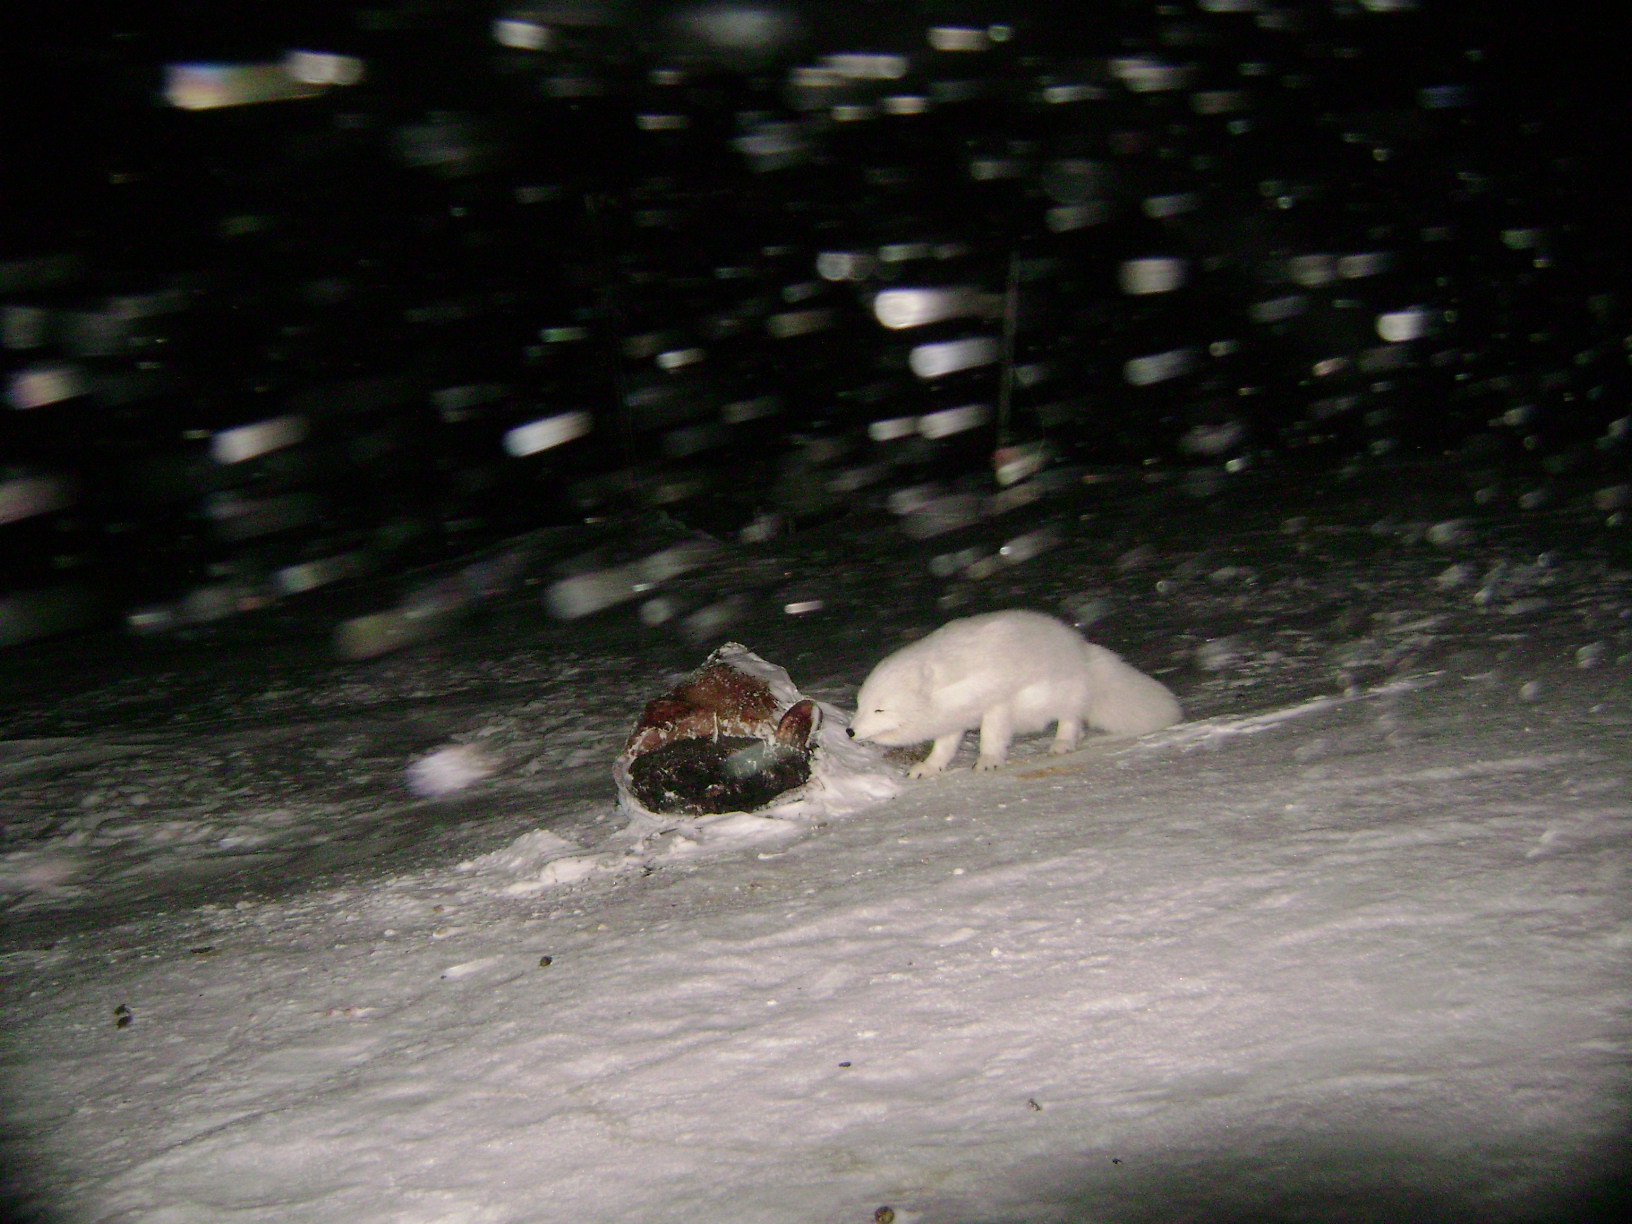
[{"x": 1360, "y": 949}]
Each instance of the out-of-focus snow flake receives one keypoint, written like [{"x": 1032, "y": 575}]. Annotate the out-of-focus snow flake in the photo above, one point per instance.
[{"x": 448, "y": 769}]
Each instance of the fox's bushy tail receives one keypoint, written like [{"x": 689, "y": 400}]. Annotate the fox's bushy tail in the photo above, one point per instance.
[{"x": 1122, "y": 700}]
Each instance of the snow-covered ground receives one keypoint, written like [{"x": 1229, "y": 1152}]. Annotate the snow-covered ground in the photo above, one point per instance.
[{"x": 1354, "y": 943}]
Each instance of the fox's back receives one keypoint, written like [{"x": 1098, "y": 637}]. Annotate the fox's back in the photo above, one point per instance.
[{"x": 1001, "y": 652}]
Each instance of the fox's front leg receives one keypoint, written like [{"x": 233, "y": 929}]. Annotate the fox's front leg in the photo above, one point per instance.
[
  {"x": 1066, "y": 736},
  {"x": 940, "y": 756},
  {"x": 996, "y": 730}
]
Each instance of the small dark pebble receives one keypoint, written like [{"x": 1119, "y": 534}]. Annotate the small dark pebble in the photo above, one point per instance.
[
  {"x": 545, "y": 960},
  {"x": 1031, "y": 1103},
  {"x": 206, "y": 950},
  {"x": 122, "y": 1016},
  {"x": 884, "y": 1215},
  {"x": 844, "y": 1064},
  {"x": 1116, "y": 1160}
]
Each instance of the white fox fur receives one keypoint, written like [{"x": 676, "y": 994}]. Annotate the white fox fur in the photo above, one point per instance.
[{"x": 1007, "y": 673}]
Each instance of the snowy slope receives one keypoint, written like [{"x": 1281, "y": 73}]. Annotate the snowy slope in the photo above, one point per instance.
[{"x": 1362, "y": 953}]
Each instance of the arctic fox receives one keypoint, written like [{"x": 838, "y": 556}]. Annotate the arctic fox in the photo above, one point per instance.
[{"x": 1006, "y": 673}]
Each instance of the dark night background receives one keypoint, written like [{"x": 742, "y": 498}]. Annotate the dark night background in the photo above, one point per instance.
[{"x": 475, "y": 236}]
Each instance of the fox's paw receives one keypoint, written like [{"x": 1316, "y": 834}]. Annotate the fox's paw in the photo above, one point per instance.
[
  {"x": 1060, "y": 748},
  {"x": 923, "y": 770},
  {"x": 986, "y": 763}
]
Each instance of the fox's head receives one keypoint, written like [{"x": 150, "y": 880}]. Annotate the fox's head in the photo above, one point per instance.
[
  {"x": 877, "y": 725},
  {"x": 884, "y": 707}
]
